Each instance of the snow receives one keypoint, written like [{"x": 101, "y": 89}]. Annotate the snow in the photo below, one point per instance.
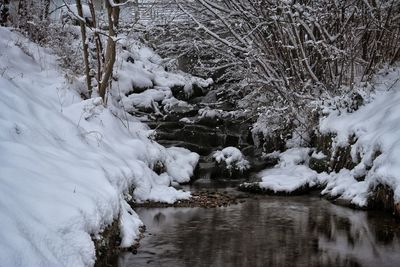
[
  {"x": 148, "y": 99},
  {"x": 67, "y": 166},
  {"x": 318, "y": 155},
  {"x": 140, "y": 67},
  {"x": 172, "y": 104},
  {"x": 376, "y": 128},
  {"x": 144, "y": 84},
  {"x": 344, "y": 185},
  {"x": 181, "y": 163},
  {"x": 288, "y": 179},
  {"x": 232, "y": 157},
  {"x": 294, "y": 156},
  {"x": 288, "y": 175},
  {"x": 186, "y": 120}
]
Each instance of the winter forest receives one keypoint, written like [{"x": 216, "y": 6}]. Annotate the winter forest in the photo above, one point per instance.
[{"x": 199, "y": 133}]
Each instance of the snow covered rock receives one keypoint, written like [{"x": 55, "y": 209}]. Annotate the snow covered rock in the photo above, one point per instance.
[
  {"x": 231, "y": 161},
  {"x": 288, "y": 180},
  {"x": 287, "y": 177},
  {"x": 181, "y": 164},
  {"x": 140, "y": 69}
]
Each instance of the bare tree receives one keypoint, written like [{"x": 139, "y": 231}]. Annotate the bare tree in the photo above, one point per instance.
[
  {"x": 294, "y": 49},
  {"x": 85, "y": 47},
  {"x": 279, "y": 56},
  {"x": 110, "y": 52},
  {"x": 104, "y": 57}
]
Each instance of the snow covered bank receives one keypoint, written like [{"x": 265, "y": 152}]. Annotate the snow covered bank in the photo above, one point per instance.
[
  {"x": 375, "y": 129},
  {"x": 67, "y": 166},
  {"x": 372, "y": 135}
]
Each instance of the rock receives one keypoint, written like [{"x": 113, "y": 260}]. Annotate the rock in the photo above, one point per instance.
[
  {"x": 159, "y": 167},
  {"x": 382, "y": 198},
  {"x": 221, "y": 170},
  {"x": 339, "y": 158},
  {"x": 255, "y": 188},
  {"x": 108, "y": 245},
  {"x": 204, "y": 199},
  {"x": 319, "y": 164},
  {"x": 210, "y": 122},
  {"x": 178, "y": 92}
]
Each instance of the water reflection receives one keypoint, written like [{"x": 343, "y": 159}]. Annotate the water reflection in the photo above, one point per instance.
[{"x": 270, "y": 231}]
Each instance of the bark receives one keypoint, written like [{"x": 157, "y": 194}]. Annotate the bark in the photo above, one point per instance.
[
  {"x": 99, "y": 46},
  {"x": 46, "y": 8},
  {"x": 110, "y": 54},
  {"x": 82, "y": 25},
  {"x": 116, "y": 11}
]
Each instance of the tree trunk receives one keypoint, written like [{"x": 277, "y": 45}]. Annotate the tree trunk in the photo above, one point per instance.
[
  {"x": 110, "y": 54},
  {"x": 46, "y": 8},
  {"x": 99, "y": 46},
  {"x": 85, "y": 47},
  {"x": 116, "y": 11}
]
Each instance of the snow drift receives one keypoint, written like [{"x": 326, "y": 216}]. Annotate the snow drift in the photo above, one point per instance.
[{"x": 67, "y": 165}]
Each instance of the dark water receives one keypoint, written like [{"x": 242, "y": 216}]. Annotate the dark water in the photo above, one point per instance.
[{"x": 268, "y": 231}]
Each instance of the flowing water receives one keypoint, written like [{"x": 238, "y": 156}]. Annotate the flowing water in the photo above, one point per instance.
[{"x": 267, "y": 231}]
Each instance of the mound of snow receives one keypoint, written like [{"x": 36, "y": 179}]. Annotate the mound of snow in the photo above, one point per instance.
[
  {"x": 232, "y": 157},
  {"x": 181, "y": 164},
  {"x": 66, "y": 165},
  {"x": 148, "y": 99},
  {"x": 294, "y": 156},
  {"x": 288, "y": 179},
  {"x": 288, "y": 175}
]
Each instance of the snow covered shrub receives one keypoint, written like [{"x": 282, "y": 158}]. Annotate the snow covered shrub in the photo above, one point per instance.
[
  {"x": 31, "y": 17},
  {"x": 280, "y": 54}
]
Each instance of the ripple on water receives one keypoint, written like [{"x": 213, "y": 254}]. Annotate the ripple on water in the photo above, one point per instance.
[{"x": 268, "y": 231}]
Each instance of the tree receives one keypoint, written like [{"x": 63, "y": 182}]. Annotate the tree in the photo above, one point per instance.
[
  {"x": 82, "y": 24},
  {"x": 110, "y": 52},
  {"x": 294, "y": 50},
  {"x": 280, "y": 57},
  {"x": 32, "y": 18},
  {"x": 4, "y": 12},
  {"x": 105, "y": 58}
]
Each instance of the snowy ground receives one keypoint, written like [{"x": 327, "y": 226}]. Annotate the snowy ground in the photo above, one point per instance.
[{"x": 66, "y": 165}]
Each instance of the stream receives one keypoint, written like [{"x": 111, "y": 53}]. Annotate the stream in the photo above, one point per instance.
[
  {"x": 266, "y": 231},
  {"x": 261, "y": 230}
]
